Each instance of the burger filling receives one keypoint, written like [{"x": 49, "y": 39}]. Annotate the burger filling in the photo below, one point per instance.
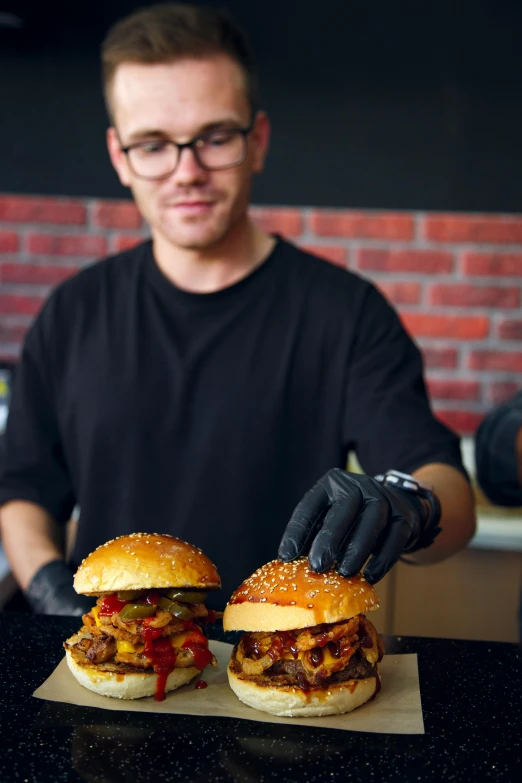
[
  {"x": 155, "y": 631},
  {"x": 310, "y": 658}
]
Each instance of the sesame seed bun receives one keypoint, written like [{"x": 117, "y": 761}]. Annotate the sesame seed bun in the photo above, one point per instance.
[
  {"x": 291, "y": 702},
  {"x": 143, "y": 561},
  {"x": 129, "y": 685},
  {"x": 285, "y": 596}
]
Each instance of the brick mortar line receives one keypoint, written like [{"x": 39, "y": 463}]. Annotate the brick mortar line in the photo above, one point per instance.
[
  {"x": 388, "y": 210},
  {"x": 36, "y": 290},
  {"x": 434, "y": 278},
  {"x": 307, "y": 236},
  {"x": 367, "y": 243},
  {"x": 16, "y": 319},
  {"x": 90, "y": 206}
]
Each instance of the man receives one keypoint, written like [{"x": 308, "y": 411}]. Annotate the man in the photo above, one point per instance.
[
  {"x": 498, "y": 453},
  {"x": 498, "y": 457},
  {"x": 201, "y": 383}
]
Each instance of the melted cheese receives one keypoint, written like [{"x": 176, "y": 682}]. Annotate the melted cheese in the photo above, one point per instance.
[
  {"x": 128, "y": 647},
  {"x": 95, "y": 611},
  {"x": 328, "y": 659},
  {"x": 179, "y": 638},
  {"x": 370, "y": 653}
]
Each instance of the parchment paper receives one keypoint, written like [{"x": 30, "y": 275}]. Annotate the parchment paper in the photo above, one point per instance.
[{"x": 396, "y": 710}]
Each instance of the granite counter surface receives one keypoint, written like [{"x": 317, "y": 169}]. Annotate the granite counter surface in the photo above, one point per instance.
[{"x": 472, "y": 703}]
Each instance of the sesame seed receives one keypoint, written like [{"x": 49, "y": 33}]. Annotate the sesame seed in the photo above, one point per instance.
[{"x": 310, "y": 606}]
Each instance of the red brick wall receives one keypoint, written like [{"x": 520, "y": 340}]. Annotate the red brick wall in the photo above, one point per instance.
[{"x": 455, "y": 279}]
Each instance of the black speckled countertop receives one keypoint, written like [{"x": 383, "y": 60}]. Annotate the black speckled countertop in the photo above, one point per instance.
[{"x": 471, "y": 696}]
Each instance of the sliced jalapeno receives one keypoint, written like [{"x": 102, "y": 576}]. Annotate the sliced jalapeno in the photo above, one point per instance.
[
  {"x": 185, "y": 597},
  {"x": 137, "y": 611},
  {"x": 183, "y": 612},
  {"x": 128, "y": 595}
]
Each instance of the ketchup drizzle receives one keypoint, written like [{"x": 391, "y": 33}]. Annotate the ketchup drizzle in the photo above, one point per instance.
[
  {"x": 112, "y": 604},
  {"x": 197, "y": 644}
]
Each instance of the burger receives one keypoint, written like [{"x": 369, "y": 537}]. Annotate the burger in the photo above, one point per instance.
[
  {"x": 309, "y": 649},
  {"x": 145, "y": 634}
]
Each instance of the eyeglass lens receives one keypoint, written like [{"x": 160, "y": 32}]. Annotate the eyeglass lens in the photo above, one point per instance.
[{"x": 155, "y": 159}]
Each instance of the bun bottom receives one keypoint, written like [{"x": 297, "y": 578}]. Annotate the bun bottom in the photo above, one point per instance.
[
  {"x": 286, "y": 701},
  {"x": 125, "y": 686}
]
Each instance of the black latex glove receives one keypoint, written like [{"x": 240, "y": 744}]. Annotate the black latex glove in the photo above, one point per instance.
[
  {"x": 51, "y": 591},
  {"x": 346, "y": 517}
]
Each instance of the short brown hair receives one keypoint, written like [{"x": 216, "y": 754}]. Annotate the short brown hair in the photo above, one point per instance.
[{"x": 168, "y": 31}]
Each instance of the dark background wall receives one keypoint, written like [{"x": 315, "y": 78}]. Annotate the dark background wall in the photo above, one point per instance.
[{"x": 405, "y": 105}]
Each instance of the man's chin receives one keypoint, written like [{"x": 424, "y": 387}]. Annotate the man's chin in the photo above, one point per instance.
[{"x": 196, "y": 238}]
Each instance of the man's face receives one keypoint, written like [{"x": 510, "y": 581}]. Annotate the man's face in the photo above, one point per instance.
[{"x": 192, "y": 208}]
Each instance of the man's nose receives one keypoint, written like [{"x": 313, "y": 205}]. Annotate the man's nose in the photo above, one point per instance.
[{"x": 189, "y": 171}]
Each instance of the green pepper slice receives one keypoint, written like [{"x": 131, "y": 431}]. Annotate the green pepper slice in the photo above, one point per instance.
[
  {"x": 128, "y": 595},
  {"x": 185, "y": 597},
  {"x": 183, "y": 612},
  {"x": 137, "y": 611}
]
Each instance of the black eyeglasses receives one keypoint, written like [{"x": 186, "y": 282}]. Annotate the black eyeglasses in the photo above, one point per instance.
[{"x": 218, "y": 149}]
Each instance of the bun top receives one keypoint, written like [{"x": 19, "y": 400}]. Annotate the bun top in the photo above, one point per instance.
[
  {"x": 286, "y": 596},
  {"x": 144, "y": 561}
]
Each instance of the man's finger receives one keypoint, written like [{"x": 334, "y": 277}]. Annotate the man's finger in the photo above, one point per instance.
[
  {"x": 389, "y": 552},
  {"x": 303, "y": 524},
  {"x": 337, "y": 524},
  {"x": 365, "y": 536}
]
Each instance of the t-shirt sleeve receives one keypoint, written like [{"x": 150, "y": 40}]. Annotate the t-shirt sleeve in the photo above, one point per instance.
[
  {"x": 495, "y": 453},
  {"x": 33, "y": 467},
  {"x": 388, "y": 418}
]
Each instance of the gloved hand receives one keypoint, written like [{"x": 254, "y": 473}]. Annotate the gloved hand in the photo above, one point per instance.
[
  {"x": 51, "y": 591},
  {"x": 346, "y": 517}
]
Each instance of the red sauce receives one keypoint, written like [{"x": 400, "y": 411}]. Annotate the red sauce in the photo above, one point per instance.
[
  {"x": 251, "y": 646},
  {"x": 281, "y": 642},
  {"x": 112, "y": 604},
  {"x": 366, "y": 640},
  {"x": 288, "y": 642},
  {"x": 201, "y": 684},
  {"x": 303, "y": 682},
  {"x": 277, "y": 649},
  {"x": 334, "y": 649},
  {"x": 316, "y": 656},
  {"x": 161, "y": 655},
  {"x": 322, "y": 639},
  {"x": 197, "y": 644}
]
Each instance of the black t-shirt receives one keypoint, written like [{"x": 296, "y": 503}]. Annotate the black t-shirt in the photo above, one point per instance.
[
  {"x": 208, "y": 416},
  {"x": 495, "y": 453}
]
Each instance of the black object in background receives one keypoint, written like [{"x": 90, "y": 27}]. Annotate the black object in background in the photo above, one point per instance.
[{"x": 377, "y": 105}]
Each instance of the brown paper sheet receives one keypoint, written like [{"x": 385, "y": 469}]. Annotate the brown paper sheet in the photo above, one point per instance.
[{"x": 396, "y": 710}]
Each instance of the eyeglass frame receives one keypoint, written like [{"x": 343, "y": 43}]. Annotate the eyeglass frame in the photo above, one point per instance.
[{"x": 192, "y": 146}]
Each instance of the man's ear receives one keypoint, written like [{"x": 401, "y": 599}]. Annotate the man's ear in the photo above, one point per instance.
[
  {"x": 118, "y": 158},
  {"x": 260, "y": 140}
]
